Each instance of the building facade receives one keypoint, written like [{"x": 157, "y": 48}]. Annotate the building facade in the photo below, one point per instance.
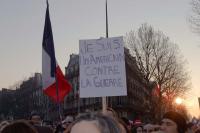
[
  {"x": 134, "y": 105},
  {"x": 27, "y": 98},
  {"x": 7, "y": 100}
]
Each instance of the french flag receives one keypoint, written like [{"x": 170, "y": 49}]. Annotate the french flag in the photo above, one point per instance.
[{"x": 54, "y": 83}]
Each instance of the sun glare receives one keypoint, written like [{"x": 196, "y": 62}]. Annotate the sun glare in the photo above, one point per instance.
[{"x": 178, "y": 100}]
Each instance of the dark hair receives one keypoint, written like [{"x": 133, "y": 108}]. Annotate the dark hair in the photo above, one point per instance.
[
  {"x": 104, "y": 123},
  {"x": 34, "y": 113},
  {"x": 190, "y": 124},
  {"x": 134, "y": 129},
  {"x": 114, "y": 113},
  {"x": 125, "y": 120},
  {"x": 20, "y": 126},
  {"x": 178, "y": 119},
  {"x": 124, "y": 124}
]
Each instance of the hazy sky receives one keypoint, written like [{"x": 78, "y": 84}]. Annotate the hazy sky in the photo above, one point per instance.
[{"x": 22, "y": 23}]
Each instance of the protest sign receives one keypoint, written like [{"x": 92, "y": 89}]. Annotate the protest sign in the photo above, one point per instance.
[{"x": 102, "y": 67}]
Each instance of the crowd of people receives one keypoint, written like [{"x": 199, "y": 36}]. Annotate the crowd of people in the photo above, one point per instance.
[{"x": 98, "y": 122}]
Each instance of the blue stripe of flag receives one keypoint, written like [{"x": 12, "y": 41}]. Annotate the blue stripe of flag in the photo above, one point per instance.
[{"x": 48, "y": 43}]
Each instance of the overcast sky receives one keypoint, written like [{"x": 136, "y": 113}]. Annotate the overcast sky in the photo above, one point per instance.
[{"x": 22, "y": 23}]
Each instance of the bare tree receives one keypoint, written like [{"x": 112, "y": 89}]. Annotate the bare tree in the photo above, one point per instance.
[
  {"x": 16, "y": 85},
  {"x": 194, "y": 18},
  {"x": 159, "y": 60}
]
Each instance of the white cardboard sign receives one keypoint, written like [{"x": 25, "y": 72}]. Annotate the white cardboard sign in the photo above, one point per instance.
[{"x": 102, "y": 67}]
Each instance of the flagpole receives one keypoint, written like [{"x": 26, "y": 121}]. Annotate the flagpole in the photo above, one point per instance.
[
  {"x": 47, "y": 3},
  {"x": 57, "y": 90},
  {"x": 106, "y": 20},
  {"x": 58, "y": 101},
  {"x": 104, "y": 100}
]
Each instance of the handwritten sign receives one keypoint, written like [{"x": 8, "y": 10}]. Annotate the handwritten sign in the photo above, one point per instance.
[{"x": 102, "y": 67}]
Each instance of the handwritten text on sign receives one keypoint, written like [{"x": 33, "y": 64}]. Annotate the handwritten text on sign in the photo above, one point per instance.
[{"x": 102, "y": 67}]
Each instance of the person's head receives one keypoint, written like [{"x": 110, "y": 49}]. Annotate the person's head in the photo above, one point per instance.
[
  {"x": 173, "y": 122},
  {"x": 95, "y": 123},
  {"x": 3, "y": 124},
  {"x": 123, "y": 126},
  {"x": 127, "y": 122},
  {"x": 67, "y": 121},
  {"x": 139, "y": 129},
  {"x": 148, "y": 128},
  {"x": 19, "y": 127},
  {"x": 111, "y": 113},
  {"x": 35, "y": 118}
]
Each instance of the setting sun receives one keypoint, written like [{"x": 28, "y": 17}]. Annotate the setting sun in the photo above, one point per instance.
[{"x": 179, "y": 100}]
